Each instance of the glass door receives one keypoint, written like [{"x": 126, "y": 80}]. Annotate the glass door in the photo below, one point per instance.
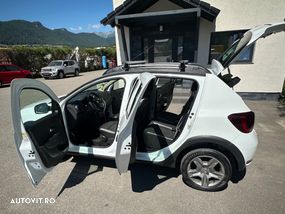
[{"x": 163, "y": 50}]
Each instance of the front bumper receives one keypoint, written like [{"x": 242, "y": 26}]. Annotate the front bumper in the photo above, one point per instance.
[{"x": 48, "y": 75}]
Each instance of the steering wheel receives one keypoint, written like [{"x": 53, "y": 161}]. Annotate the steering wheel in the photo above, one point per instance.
[{"x": 96, "y": 102}]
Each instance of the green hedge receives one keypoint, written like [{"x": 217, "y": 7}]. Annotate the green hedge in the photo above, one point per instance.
[{"x": 34, "y": 58}]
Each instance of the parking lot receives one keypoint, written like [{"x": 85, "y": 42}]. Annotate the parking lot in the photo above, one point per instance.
[{"x": 83, "y": 185}]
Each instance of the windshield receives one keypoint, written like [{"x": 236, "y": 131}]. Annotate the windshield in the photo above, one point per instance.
[
  {"x": 55, "y": 63},
  {"x": 235, "y": 49}
]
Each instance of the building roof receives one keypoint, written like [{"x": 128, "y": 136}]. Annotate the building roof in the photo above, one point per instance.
[{"x": 137, "y": 6}]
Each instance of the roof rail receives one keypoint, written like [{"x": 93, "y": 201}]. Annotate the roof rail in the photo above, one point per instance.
[
  {"x": 181, "y": 65},
  {"x": 127, "y": 64}
]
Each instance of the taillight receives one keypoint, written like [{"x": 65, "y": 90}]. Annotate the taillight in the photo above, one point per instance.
[{"x": 243, "y": 121}]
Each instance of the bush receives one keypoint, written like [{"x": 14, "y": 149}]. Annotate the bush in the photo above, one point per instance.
[{"x": 34, "y": 58}]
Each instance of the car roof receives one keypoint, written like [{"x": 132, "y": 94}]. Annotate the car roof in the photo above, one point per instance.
[{"x": 173, "y": 68}]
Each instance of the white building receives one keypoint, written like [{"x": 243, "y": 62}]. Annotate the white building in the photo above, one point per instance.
[{"x": 172, "y": 30}]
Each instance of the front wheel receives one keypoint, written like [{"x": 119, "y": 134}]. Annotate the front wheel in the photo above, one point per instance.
[
  {"x": 206, "y": 170},
  {"x": 60, "y": 75}
]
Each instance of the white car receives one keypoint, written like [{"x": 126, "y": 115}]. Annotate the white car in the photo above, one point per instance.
[
  {"x": 60, "y": 68},
  {"x": 190, "y": 120}
]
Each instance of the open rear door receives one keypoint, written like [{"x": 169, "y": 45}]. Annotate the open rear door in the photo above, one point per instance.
[
  {"x": 39, "y": 130},
  {"x": 124, "y": 139}
]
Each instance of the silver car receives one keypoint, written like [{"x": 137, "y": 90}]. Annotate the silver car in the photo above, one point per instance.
[{"x": 60, "y": 68}]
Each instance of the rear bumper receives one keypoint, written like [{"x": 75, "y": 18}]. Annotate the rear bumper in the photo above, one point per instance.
[{"x": 247, "y": 144}]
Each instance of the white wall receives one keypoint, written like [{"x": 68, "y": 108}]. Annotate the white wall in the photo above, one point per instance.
[
  {"x": 205, "y": 29},
  {"x": 118, "y": 37}
]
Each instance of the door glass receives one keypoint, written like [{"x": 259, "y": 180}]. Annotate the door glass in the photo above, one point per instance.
[
  {"x": 163, "y": 50},
  {"x": 35, "y": 105}
]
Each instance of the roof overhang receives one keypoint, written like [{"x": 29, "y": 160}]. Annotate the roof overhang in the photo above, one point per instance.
[
  {"x": 166, "y": 16},
  {"x": 138, "y": 6}
]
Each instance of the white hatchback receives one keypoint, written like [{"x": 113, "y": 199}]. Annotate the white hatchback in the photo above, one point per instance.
[{"x": 175, "y": 115}]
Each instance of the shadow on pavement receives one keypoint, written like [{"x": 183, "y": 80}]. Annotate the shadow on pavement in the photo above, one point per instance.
[
  {"x": 143, "y": 177},
  {"x": 147, "y": 177}
]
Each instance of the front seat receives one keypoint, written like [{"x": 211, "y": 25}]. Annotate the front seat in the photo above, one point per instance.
[
  {"x": 142, "y": 118},
  {"x": 109, "y": 128}
]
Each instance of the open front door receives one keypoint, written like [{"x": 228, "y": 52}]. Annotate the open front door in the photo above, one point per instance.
[
  {"x": 124, "y": 138},
  {"x": 39, "y": 130}
]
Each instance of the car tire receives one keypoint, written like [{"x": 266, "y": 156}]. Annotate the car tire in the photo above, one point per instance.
[
  {"x": 1, "y": 84},
  {"x": 76, "y": 72},
  {"x": 206, "y": 170},
  {"x": 60, "y": 75}
]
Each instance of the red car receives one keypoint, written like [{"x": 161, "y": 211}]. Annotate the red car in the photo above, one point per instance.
[{"x": 8, "y": 72}]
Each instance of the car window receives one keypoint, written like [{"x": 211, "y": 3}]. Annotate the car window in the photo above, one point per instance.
[
  {"x": 65, "y": 63},
  {"x": 11, "y": 68},
  {"x": 35, "y": 105},
  {"x": 133, "y": 95},
  {"x": 2, "y": 68},
  {"x": 119, "y": 84},
  {"x": 55, "y": 63},
  {"x": 71, "y": 63},
  {"x": 103, "y": 86}
]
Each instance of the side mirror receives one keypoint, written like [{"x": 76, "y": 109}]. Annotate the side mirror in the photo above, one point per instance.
[
  {"x": 42, "y": 108},
  {"x": 64, "y": 65}
]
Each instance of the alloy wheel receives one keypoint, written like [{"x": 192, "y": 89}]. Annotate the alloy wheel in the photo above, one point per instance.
[{"x": 206, "y": 171}]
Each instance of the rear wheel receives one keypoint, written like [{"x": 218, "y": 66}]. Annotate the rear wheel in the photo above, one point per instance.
[
  {"x": 76, "y": 72},
  {"x": 206, "y": 170},
  {"x": 60, "y": 75}
]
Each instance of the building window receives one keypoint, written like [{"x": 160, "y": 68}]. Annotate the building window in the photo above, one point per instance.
[{"x": 221, "y": 41}]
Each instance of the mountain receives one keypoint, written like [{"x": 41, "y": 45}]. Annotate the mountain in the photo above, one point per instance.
[
  {"x": 21, "y": 32},
  {"x": 106, "y": 35}
]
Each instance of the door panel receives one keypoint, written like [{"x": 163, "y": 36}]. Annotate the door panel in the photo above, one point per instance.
[
  {"x": 124, "y": 137},
  {"x": 49, "y": 138},
  {"x": 39, "y": 130}
]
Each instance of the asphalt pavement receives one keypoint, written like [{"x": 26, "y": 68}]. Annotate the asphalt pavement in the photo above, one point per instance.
[{"x": 87, "y": 185}]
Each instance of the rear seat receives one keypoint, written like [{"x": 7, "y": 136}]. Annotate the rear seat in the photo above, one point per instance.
[{"x": 158, "y": 135}]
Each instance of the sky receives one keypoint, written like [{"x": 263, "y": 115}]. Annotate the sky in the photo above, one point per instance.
[{"x": 74, "y": 15}]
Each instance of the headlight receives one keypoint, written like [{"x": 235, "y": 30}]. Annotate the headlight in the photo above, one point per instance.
[{"x": 54, "y": 69}]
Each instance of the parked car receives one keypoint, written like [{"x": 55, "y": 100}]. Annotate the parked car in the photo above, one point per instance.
[
  {"x": 181, "y": 116},
  {"x": 8, "y": 72},
  {"x": 60, "y": 68}
]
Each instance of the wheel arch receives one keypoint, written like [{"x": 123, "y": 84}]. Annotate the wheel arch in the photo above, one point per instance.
[
  {"x": 228, "y": 149},
  {"x": 212, "y": 142}
]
